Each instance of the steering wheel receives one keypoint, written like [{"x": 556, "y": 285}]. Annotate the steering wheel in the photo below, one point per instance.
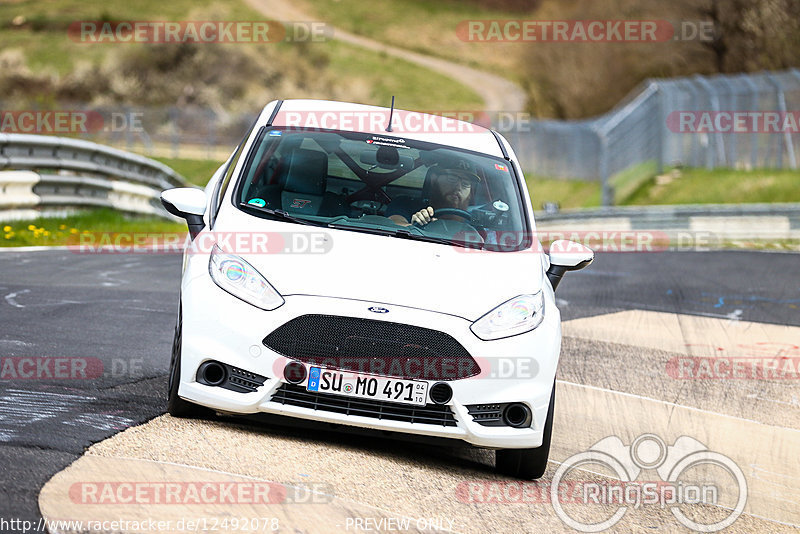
[
  {"x": 453, "y": 211},
  {"x": 458, "y": 230}
]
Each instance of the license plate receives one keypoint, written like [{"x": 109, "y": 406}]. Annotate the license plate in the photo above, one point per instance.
[{"x": 367, "y": 387}]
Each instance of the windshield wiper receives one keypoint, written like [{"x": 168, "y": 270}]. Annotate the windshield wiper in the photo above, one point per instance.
[
  {"x": 364, "y": 229},
  {"x": 278, "y": 214},
  {"x": 401, "y": 233}
]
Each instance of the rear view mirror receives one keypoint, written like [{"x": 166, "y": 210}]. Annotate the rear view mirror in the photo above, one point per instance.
[
  {"x": 387, "y": 159},
  {"x": 567, "y": 256},
  {"x": 188, "y": 203}
]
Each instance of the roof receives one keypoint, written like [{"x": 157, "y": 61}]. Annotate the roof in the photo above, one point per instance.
[{"x": 345, "y": 116}]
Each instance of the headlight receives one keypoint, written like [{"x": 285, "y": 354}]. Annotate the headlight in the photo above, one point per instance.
[
  {"x": 517, "y": 316},
  {"x": 240, "y": 279}
]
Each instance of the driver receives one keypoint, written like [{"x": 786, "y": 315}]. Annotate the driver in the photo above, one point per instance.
[{"x": 450, "y": 188}]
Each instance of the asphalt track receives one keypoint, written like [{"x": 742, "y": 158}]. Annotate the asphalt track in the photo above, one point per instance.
[{"x": 120, "y": 310}]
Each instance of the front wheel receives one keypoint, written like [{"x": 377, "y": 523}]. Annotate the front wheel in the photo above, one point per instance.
[
  {"x": 528, "y": 464},
  {"x": 176, "y": 406}
]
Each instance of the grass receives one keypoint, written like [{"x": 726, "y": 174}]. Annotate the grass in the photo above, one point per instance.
[
  {"x": 567, "y": 193},
  {"x": 44, "y": 34},
  {"x": 415, "y": 88},
  {"x": 89, "y": 223},
  {"x": 719, "y": 186},
  {"x": 639, "y": 186},
  {"x": 355, "y": 74},
  {"x": 196, "y": 171},
  {"x": 423, "y": 26},
  {"x": 631, "y": 180},
  {"x": 780, "y": 245}
]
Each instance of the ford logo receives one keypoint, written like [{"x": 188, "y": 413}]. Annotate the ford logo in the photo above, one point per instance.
[{"x": 377, "y": 309}]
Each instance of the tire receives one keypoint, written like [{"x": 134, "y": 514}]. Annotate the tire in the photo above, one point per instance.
[
  {"x": 528, "y": 464},
  {"x": 176, "y": 406}
]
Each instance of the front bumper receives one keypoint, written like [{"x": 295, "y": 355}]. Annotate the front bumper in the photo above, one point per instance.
[{"x": 218, "y": 326}]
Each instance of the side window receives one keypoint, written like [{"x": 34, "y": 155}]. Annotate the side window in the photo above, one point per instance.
[{"x": 225, "y": 181}]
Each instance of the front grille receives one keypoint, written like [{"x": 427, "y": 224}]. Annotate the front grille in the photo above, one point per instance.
[
  {"x": 373, "y": 347},
  {"x": 430, "y": 414}
]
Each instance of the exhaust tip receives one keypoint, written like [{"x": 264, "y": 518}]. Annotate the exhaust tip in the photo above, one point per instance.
[
  {"x": 212, "y": 373},
  {"x": 517, "y": 415}
]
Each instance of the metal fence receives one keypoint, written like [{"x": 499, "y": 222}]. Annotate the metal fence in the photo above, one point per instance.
[
  {"x": 739, "y": 121},
  {"x": 646, "y": 130}
]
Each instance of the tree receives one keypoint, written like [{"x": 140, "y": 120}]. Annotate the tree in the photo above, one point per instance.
[{"x": 752, "y": 35}]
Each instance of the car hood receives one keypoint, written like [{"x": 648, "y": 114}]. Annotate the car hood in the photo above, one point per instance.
[{"x": 392, "y": 271}]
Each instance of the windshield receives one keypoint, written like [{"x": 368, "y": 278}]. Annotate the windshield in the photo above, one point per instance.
[{"x": 385, "y": 185}]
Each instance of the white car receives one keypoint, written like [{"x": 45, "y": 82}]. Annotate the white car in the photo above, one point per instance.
[{"x": 375, "y": 268}]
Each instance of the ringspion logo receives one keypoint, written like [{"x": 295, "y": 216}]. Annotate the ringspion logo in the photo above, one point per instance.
[{"x": 689, "y": 475}]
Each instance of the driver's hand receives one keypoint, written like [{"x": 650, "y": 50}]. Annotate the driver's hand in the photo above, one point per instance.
[{"x": 423, "y": 216}]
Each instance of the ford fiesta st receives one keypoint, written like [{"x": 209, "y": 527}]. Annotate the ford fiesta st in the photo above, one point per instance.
[{"x": 376, "y": 268}]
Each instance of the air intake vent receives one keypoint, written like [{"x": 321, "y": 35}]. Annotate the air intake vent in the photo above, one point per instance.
[
  {"x": 487, "y": 414},
  {"x": 244, "y": 380},
  {"x": 430, "y": 414},
  {"x": 373, "y": 347},
  {"x": 441, "y": 393}
]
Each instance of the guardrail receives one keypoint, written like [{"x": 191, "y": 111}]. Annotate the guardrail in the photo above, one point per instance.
[
  {"x": 725, "y": 221},
  {"x": 46, "y": 175}
]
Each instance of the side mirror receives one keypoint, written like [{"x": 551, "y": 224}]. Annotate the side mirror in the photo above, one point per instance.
[
  {"x": 567, "y": 256},
  {"x": 188, "y": 203}
]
